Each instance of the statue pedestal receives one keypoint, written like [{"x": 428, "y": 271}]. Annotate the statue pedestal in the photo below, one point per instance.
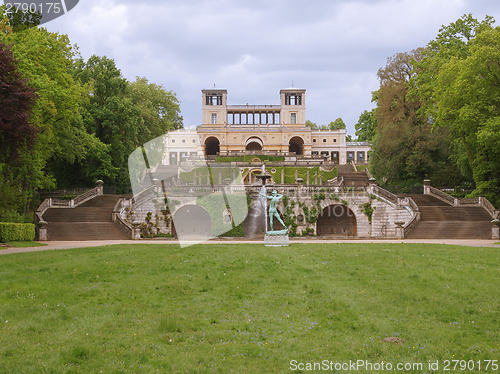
[{"x": 276, "y": 239}]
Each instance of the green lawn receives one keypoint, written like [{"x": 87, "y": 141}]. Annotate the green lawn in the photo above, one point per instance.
[
  {"x": 247, "y": 308},
  {"x": 26, "y": 244}
]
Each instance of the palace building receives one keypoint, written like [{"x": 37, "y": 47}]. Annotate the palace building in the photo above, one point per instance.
[{"x": 235, "y": 130}]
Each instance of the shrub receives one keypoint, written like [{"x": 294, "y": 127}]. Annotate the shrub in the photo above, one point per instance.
[{"x": 10, "y": 232}]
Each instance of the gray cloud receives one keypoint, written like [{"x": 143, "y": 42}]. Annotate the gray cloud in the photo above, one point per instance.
[{"x": 255, "y": 48}]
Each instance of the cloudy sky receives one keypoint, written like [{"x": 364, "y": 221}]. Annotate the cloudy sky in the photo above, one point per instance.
[{"x": 253, "y": 48}]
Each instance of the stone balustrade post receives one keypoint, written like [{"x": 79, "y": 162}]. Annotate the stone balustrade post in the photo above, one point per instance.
[
  {"x": 427, "y": 186},
  {"x": 100, "y": 186}
]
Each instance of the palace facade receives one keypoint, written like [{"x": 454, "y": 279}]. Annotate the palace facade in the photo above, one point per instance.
[{"x": 236, "y": 130}]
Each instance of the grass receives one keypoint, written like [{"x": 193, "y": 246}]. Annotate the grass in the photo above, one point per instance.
[
  {"x": 25, "y": 244},
  {"x": 246, "y": 308}
]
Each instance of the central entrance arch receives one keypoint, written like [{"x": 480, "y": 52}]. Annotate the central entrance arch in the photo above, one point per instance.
[
  {"x": 296, "y": 145},
  {"x": 254, "y": 144},
  {"x": 212, "y": 146},
  {"x": 336, "y": 220}
]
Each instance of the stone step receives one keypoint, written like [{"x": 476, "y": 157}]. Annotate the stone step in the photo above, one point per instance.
[
  {"x": 449, "y": 213},
  {"x": 451, "y": 230},
  {"x": 74, "y": 231},
  {"x": 88, "y": 221},
  {"x": 426, "y": 200},
  {"x": 79, "y": 214},
  {"x": 103, "y": 201}
]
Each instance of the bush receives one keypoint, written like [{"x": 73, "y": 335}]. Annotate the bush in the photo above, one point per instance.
[
  {"x": 10, "y": 232},
  {"x": 10, "y": 216}
]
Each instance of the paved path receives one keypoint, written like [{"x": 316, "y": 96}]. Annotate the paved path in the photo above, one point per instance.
[{"x": 95, "y": 243}]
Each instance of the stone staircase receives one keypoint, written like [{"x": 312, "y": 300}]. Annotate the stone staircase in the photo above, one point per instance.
[
  {"x": 88, "y": 221},
  {"x": 351, "y": 177},
  {"x": 439, "y": 220}
]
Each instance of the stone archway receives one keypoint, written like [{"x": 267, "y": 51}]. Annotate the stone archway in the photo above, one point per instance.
[
  {"x": 336, "y": 220},
  {"x": 296, "y": 145},
  {"x": 212, "y": 146},
  {"x": 254, "y": 144},
  {"x": 192, "y": 221}
]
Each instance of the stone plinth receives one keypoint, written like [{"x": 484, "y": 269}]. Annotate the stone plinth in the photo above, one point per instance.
[
  {"x": 276, "y": 239},
  {"x": 42, "y": 231},
  {"x": 495, "y": 230}
]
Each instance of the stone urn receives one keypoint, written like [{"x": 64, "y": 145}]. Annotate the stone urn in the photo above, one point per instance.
[{"x": 400, "y": 232}]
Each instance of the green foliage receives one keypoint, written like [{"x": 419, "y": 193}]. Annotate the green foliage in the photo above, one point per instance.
[
  {"x": 338, "y": 124},
  {"x": 319, "y": 197},
  {"x": 367, "y": 210},
  {"x": 236, "y": 232},
  {"x": 458, "y": 81},
  {"x": 21, "y": 21},
  {"x": 311, "y": 214},
  {"x": 88, "y": 117},
  {"x": 405, "y": 146},
  {"x": 367, "y": 126},
  {"x": 25, "y": 244},
  {"x": 308, "y": 231},
  {"x": 311, "y": 124},
  {"x": 289, "y": 217},
  {"x": 10, "y": 232}
]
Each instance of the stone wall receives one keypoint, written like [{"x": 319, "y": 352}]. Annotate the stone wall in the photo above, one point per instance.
[{"x": 303, "y": 206}]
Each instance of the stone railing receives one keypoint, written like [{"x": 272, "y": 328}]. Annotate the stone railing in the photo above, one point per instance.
[
  {"x": 415, "y": 214},
  {"x": 117, "y": 216},
  {"x": 53, "y": 202},
  {"x": 188, "y": 190},
  {"x": 406, "y": 203},
  {"x": 443, "y": 196},
  {"x": 86, "y": 196},
  {"x": 44, "y": 206},
  {"x": 144, "y": 196},
  {"x": 385, "y": 195},
  {"x": 485, "y": 203},
  {"x": 475, "y": 201},
  {"x": 454, "y": 201},
  {"x": 368, "y": 174}
]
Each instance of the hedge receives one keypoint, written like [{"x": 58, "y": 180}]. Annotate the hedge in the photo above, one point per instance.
[{"x": 10, "y": 232}]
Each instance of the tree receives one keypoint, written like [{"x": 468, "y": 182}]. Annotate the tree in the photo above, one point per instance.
[
  {"x": 159, "y": 108},
  {"x": 17, "y": 133},
  {"x": 312, "y": 125},
  {"x": 18, "y": 99},
  {"x": 366, "y": 126},
  {"x": 337, "y": 124},
  {"x": 20, "y": 21},
  {"x": 124, "y": 115},
  {"x": 405, "y": 148},
  {"x": 110, "y": 115},
  {"x": 469, "y": 106},
  {"x": 457, "y": 81}
]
